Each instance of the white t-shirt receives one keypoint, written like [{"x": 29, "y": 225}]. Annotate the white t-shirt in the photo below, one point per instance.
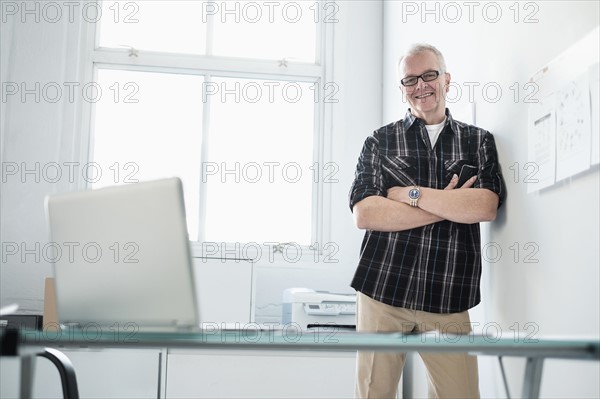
[{"x": 434, "y": 131}]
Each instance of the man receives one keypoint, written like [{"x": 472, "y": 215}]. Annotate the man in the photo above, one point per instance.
[{"x": 420, "y": 261}]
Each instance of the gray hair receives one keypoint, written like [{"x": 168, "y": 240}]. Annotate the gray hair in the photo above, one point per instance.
[{"x": 419, "y": 48}]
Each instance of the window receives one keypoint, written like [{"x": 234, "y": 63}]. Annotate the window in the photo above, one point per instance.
[{"x": 229, "y": 96}]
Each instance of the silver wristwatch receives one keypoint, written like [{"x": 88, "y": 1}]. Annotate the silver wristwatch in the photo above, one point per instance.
[{"x": 414, "y": 194}]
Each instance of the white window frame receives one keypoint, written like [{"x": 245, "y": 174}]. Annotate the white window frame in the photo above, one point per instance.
[{"x": 319, "y": 73}]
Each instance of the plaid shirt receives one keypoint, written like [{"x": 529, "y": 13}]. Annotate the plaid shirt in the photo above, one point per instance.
[{"x": 434, "y": 268}]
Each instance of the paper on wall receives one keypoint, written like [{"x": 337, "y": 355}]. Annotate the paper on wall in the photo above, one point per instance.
[{"x": 573, "y": 128}]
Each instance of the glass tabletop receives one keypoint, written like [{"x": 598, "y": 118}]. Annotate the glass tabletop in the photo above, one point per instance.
[{"x": 324, "y": 339}]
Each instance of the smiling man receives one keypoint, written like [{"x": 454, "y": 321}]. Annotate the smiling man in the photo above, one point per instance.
[{"x": 422, "y": 186}]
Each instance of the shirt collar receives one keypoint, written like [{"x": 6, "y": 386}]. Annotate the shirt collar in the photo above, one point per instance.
[{"x": 410, "y": 119}]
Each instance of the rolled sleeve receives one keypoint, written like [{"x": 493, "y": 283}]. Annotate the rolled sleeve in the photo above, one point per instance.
[
  {"x": 490, "y": 173},
  {"x": 368, "y": 179}
]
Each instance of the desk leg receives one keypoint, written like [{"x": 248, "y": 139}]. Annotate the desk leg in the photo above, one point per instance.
[
  {"x": 162, "y": 373},
  {"x": 408, "y": 377},
  {"x": 27, "y": 369},
  {"x": 533, "y": 377}
]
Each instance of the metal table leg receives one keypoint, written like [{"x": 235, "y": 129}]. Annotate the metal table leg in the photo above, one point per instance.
[
  {"x": 408, "y": 376},
  {"x": 533, "y": 377},
  {"x": 27, "y": 369}
]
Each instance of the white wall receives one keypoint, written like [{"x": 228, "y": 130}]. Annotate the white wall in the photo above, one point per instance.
[
  {"x": 560, "y": 294},
  {"x": 35, "y": 132}
]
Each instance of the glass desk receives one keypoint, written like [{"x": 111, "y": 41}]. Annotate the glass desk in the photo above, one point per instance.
[{"x": 535, "y": 350}]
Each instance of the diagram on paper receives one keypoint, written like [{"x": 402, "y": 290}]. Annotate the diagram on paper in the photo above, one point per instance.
[
  {"x": 573, "y": 130},
  {"x": 542, "y": 142}
]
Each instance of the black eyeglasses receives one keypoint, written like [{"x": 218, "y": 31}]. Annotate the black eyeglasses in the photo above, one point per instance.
[{"x": 426, "y": 77}]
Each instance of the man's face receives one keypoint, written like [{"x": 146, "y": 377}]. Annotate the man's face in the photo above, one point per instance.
[{"x": 427, "y": 99}]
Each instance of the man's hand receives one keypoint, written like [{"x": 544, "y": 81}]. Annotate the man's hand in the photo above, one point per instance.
[{"x": 468, "y": 184}]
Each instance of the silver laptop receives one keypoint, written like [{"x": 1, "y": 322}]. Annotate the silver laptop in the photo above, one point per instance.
[{"x": 122, "y": 257}]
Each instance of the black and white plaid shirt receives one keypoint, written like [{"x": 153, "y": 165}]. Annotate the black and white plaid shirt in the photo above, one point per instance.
[{"x": 434, "y": 268}]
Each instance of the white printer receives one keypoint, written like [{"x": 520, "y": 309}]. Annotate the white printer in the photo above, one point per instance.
[{"x": 309, "y": 308}]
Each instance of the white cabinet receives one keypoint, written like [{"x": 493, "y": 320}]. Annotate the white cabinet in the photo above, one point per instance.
[
  {"x": 223, "y": 290},
  {"x": 255, "y": 374},
  {"x": 136, "y": 373},
  {"x": 117, "y": 373}
]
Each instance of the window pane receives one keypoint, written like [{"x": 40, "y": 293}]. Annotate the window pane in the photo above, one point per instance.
[
  {"x": 266, "y": 30},
  {"x": 168, "y": 26},
  {"x": 148, "y": 126},
  {"x": 258, "y": 173}
]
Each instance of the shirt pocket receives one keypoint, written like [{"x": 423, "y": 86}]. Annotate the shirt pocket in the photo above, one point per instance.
[
  {"x": 454, "y": 166},
  {"x": 399, "y": 170}
]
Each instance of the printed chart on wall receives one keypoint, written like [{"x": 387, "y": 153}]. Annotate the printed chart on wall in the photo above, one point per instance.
[{"x": 563, "y": 129}]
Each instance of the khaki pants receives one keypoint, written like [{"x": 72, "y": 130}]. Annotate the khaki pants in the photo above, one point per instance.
[{"x": 451, "y": 375}]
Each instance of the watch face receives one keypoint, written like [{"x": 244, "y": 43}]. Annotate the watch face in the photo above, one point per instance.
[{"x": 414, "y": 193}]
